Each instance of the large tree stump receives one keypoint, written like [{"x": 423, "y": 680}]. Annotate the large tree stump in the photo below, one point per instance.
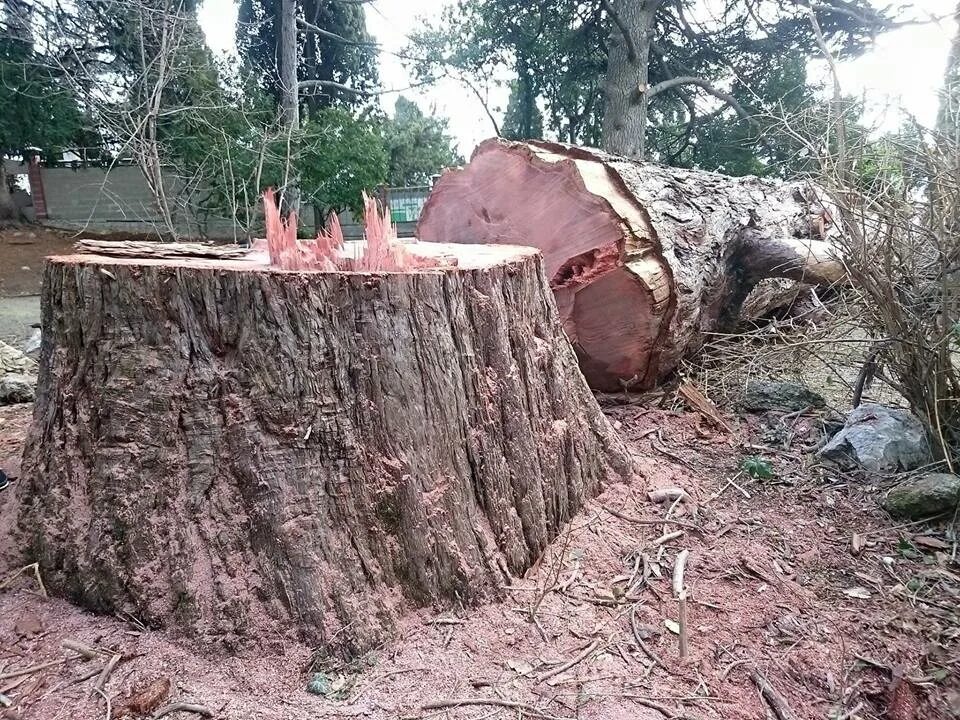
[
  {"x": 643, "y": 259},
  {"x": 231, "y": 450}
]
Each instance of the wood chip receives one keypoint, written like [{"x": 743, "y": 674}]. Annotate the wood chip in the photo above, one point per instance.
[{"x": 145, "y": 700}]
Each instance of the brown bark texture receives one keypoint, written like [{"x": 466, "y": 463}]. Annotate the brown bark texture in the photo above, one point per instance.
[
  {"x": 643, "y": 259},
  {"x": 243, "y": 454}
]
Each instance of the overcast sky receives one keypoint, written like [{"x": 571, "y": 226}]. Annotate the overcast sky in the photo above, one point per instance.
[{"x": 904, "y": 69}]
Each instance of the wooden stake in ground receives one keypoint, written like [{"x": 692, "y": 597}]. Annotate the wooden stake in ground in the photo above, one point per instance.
[
  {"x": 643, "y": 259},
  {"x": 240, "y": 452}
]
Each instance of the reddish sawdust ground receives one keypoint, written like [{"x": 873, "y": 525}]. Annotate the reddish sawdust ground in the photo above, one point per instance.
[
  {"x": 22, "y": 250},
  {"x": 767, "y": 575}
]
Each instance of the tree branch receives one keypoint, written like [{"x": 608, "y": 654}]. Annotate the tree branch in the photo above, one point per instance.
[
  {"x": 624, "y": 30},
  {"x": 706, "y": 86},
  {"x": 310, "y": 27}
]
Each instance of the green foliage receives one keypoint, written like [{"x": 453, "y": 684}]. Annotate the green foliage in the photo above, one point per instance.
[
  {"x": 418, "y": 146},
  {"x": 523, "y": 119},
  {"x": 558, "y": 50},
  {"x": 340, "y": 157},
  {"x": 235, "y": 144},
  {"x": 353, "y": 64},
  {"x": 757, "y": 468},
  {"x": 37, "y": 110}
]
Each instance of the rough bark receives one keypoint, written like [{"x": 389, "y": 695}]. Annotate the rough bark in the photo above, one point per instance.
[
  {"x": 628, "y": 71},
  {"x": 238, "y": 452},
  {"x": 642, "y": 259},
  {"x": 8, "y": 209},
  {"x": 290, "y": 88}
]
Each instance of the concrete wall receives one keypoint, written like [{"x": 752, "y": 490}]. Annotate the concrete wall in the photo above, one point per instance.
[{"x": 121, "y": 201}]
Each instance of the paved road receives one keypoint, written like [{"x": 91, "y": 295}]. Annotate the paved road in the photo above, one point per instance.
[{"x": 17, "y": 314}]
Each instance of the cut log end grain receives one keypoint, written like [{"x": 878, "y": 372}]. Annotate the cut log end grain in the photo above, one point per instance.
[
  {"x": 242, "y": 453},
  {"x": 643, "y": 259}
]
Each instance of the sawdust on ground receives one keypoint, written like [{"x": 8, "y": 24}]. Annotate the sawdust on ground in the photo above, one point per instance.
[{"x": 799, "y": 578}]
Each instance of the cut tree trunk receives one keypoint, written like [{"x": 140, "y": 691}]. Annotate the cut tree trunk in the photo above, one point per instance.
[
  {"x": 643, "y": 260},
  {"x": 238, "y": 452}
]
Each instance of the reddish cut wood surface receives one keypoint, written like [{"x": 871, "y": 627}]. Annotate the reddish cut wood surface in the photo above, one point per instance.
[{"x": 644, "y": 259}]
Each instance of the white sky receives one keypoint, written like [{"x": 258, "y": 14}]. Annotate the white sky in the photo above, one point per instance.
[{"x": 904, "y": 69}]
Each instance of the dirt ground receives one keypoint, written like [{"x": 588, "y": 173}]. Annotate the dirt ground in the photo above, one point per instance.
[
  {"x": 798, "y": 581},
  {"x": 798, "y": 584}
]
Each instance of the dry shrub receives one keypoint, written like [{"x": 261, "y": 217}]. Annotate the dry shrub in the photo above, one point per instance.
[{"x": 897, "y": 201}]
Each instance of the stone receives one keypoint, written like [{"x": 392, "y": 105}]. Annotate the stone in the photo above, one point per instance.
[
  {"x": 14, "y": 361},
  {"x": 17, "y": 388},
  {"x": 924, "y": 496},
  {"x": 880, "y": 439},
  {"x": 18, "y": 376},
  {"x": 763, "y": 395}
]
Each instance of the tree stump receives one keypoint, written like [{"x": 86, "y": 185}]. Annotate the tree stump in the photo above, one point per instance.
[
  {"x": 643, "y": 259},
  {"x": 242, "y": 453}
]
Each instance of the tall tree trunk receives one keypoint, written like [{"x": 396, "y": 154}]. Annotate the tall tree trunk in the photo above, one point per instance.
[
  {"x": 643, "y": 259},
  {"x": 628, "y": 65},
  {"x": 290, "y": 105},
  {"x": 8, "y": 209},
  {"x": 948, "y": 119}
]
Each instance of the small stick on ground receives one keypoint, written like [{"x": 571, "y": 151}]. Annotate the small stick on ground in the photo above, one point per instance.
[
  {"x": 680, "y": 591},
  {"x": 641, "y": 644},
  {"x": 200, "y": 710},
  {"x": 91, "y": 653},
  {"x": 494, "y": 702},
  {"x": 35, "y": 567},
  {"x": 639, "y": 521},
  {"x": 32, "y": 669},
  {"x": 105, "y": 674},
  {"x": 106, "y": 699},
  {"x": 776, "y": 701},
  {"x": 592, "y": 648},
  {"x": 667, "y": 538},
  {"x": 653, "y": 705}
]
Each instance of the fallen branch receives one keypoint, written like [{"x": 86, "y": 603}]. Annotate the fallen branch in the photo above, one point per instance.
[
  {"x": 641, "y": 644},
  {"x": 378, "y": 678},
  {"x": 640, "y": 521},
  {"x": 492, "y": 702},
  {"x": 200, "y": 710},
  {"x": 104, "y": 675},
  {"x": 36, "y": 572},
  {"x": 91, "y": 653},
  {"x": 106, "y": 699},
  {"x": 592, "y": 648},
  {"x": 653, "y": 705},
  {"x": 774, "y": 699},
  {"x": 32, "y": 669},
  {"x": 663, "y": 539}
]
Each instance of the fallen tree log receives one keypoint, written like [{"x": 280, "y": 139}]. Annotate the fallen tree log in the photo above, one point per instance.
[
  {"x": 247, "y": 454},
  {"x": 642, "y": 259}
]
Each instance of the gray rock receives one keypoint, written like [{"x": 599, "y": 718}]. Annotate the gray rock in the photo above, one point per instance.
[
  {"x": 762, "y": 395},
  {"x": 14, "y": 361},
  {"x": 924, "y": 496},
  {"x": 18, "y": 376},
  {"x": 17, "y": 388},
  {"x": 880, "y": 439}
]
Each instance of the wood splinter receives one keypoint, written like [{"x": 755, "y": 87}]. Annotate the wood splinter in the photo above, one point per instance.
[{"x": 681, "y": 592}]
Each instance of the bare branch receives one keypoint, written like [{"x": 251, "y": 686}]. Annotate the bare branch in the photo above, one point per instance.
[
  {"x": 704, "y": 85},
  {"x": 310, "y": 27}
]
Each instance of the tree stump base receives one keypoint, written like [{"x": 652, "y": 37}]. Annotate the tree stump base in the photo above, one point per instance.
[{"x": 240, "y": 453}]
